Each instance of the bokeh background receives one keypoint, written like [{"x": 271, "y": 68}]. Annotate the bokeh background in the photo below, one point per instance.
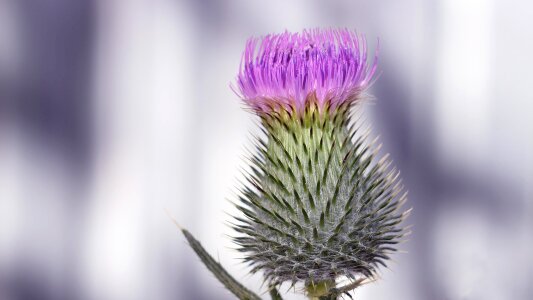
[{"x": 116, "y": 114}]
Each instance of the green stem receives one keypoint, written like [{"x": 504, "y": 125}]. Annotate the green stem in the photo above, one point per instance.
[
  {"x": 321, "y": 290},
  {"x": 329, "y": 297},
  {"x": 274, "y": 294}
]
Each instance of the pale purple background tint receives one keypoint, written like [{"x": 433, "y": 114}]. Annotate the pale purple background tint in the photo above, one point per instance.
[{"x": 115, "y": 114}]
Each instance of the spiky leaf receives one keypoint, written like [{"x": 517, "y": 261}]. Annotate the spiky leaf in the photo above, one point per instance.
[{"x": 216, "y": 268}]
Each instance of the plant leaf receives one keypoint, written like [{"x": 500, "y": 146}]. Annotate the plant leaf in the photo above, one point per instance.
[{"x": 220, "y": 273}]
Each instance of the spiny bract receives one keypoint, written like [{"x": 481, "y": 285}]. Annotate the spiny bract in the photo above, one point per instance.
[{"x": 318, "y": 203}]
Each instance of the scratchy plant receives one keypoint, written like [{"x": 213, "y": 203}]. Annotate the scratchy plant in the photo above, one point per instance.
[{"x": 319, "y": 206}]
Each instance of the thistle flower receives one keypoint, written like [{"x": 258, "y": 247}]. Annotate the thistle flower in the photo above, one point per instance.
[
  {"x": 318, "y": 204},
  {"x": 291, "y": 70}
]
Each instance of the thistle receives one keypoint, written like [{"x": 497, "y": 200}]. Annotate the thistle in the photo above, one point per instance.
[{"x": 319, "y": 204}]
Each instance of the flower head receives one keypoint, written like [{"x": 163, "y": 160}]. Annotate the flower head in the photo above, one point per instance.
[
  {"x": 289, "y": 70},
  {"x": 319, "y": 204}
]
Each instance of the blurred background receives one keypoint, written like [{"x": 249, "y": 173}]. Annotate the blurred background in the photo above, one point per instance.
[{"x": 115, "y": 114}]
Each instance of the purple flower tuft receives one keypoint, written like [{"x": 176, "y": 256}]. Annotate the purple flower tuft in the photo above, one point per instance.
[{"x": 290, "y": 69}]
